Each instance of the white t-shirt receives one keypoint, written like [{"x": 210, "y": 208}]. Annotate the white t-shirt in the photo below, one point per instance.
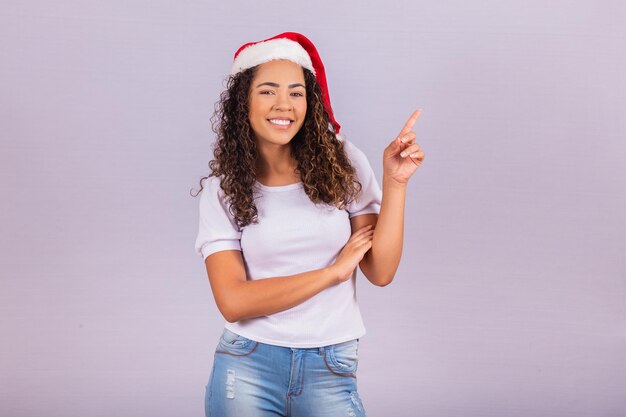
[{"x": 293, "y": 235}]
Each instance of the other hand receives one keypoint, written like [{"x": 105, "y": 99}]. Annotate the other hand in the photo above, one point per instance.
[
  {"x": 403, "y": 156},
  {"x": 352, "y": 253}
]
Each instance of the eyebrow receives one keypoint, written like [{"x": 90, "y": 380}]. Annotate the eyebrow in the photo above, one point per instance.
[{"x": 278, "y": 85}]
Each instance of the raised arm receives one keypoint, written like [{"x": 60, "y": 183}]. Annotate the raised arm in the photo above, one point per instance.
[
  {"x": 238, "y": 298},
  {"x": 401, "y": 159}
]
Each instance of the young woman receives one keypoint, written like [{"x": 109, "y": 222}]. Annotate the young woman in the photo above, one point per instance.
[{"x": 289, "y": 210}]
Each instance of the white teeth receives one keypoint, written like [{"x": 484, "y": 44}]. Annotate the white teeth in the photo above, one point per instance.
[{"x": 280, "y": 122}]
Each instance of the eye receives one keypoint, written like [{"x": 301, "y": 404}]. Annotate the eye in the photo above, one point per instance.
[
  {"x": 297, "y": 94},
  {"x": 268, "y": 92}
]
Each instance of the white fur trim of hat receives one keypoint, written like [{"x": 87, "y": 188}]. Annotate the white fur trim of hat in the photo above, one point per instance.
[{"x": 262, "y": 52}]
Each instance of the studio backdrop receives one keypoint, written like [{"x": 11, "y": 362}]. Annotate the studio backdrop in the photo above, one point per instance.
[{"x": 510, "y": 299}]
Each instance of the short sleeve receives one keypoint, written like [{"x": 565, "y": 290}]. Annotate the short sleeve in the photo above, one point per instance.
[
  {"x": 217, "y": 230},
  {"x": 370, "y": 198}
]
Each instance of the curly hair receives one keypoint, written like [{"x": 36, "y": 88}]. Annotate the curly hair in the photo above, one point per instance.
[{"x": 325, "y": 170}]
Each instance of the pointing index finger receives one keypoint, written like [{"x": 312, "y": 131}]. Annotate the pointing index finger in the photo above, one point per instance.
[{"x": 409, "y": 124}]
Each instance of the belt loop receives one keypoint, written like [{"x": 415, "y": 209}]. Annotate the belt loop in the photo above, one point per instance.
[{"x": 321, "y": 350}]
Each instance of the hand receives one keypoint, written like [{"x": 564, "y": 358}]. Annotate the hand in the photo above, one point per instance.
[
  {"x": 352, "y": 253},
  {"x": 403, "y": 156}
]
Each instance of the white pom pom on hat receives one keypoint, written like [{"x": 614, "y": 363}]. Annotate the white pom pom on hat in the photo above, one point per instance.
[{"x": 291, "y": 46}]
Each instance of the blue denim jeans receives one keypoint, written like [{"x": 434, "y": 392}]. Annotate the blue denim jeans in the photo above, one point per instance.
[{"x": 253, "y": 379}]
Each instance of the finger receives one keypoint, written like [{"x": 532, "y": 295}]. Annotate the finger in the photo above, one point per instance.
[
  {"x": 364, "y": 241},
  {"x": 358, "y": 240},
  {"x": 364, "y": 229},
  {"x": 365, "y": 235},
  {"x": 418, "y": 156},
  {"x": 409, "y": 124},
  {"x": 364, "y": 246},
  {"x": 407, "y": 137},
  {"x": 410, "y": 150},
  {"x": 369, "y": 235}
]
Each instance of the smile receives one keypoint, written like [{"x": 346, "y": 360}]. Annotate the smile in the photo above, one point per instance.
[{"x": 280, "y": 122}]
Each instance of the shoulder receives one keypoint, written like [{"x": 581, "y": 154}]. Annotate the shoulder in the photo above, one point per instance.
[
  {"x": 355, "y": 154},
  {"x": 212, "y": 195},
  {"x": 349, "y": 147},
  {"x": 212, "y": 187},
  {"x": 218, "y": 229},
  {"x": 212, "y": 183}
]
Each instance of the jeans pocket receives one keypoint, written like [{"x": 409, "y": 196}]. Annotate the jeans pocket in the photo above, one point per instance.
[
  {"x": 343, "y": 358},
  {"x": 235, "y": 344}
]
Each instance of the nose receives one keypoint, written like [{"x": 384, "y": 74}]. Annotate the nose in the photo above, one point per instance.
[{"x": 282, "y": 102}]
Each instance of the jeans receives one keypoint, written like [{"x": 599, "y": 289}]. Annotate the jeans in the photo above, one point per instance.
[{"x": 254, "y": 379}]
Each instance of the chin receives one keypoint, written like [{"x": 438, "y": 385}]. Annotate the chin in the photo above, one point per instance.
[{"x": 280, "y": 139}]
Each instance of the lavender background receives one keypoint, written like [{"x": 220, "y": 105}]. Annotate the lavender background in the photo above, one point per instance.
[{"x": 511, "y": 297}]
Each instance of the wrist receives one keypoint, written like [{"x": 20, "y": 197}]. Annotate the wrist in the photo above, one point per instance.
[
  {"x": 330, "y": 274},
  {"x": 389, "y": 182}
]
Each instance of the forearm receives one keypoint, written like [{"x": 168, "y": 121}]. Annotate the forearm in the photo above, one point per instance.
[
  {"x": 382, "y": 260},
  {"x": 261, "y": 297}
]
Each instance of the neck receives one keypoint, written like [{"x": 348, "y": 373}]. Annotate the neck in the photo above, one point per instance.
[{"x": 275, "y": 161}]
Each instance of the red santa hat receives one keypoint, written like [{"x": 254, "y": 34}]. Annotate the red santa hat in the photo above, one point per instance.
[{"x": 291, "y": 46}]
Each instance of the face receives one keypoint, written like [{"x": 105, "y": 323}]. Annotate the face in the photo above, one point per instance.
[{"x": 277, "y": 105}]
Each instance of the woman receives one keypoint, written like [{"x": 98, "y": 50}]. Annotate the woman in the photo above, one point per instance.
[{"x": 286, "y": 215}]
